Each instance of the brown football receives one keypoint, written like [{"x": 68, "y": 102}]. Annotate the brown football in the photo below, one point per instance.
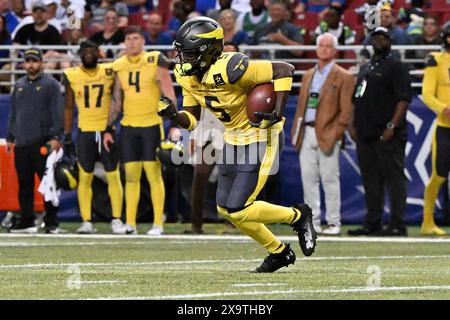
[{"x": 260, "y": 99}]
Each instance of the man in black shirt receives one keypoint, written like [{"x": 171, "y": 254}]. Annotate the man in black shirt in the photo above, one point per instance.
[
  {"x": 111, "y": 34},
  {"x": 40, "y": 32},
  {"x": 381, "y": 98}
]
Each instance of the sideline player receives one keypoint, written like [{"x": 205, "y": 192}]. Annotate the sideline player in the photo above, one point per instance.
[
  {"x": 140, "y": 78},
  {"x": 436, "y": 95},
  {"x": 90, "y": 87},
  {"x": 221, "y": 82}
]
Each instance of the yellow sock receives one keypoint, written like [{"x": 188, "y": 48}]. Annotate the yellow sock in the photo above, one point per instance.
[
  {"x": 264, "y": 212},
  {"x": 85, "y": 193},
  {"x": 154, "y": 176},
  {"x": 132, "y": 190},
  {"x": 115, "y": 191},
  {"x": 261, "y": 234},
  {"x": 257, "y": 231},
  {"x": 430, "y": 196}
]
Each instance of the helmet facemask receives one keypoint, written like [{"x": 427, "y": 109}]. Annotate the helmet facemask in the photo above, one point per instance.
[{"x": 198, "y": 60}]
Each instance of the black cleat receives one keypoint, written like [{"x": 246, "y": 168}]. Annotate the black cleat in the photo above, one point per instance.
[
  {"x": 275, "y": 261},
  {"x": 364, "y": 231},
  {"x": 305, "y": 230}
]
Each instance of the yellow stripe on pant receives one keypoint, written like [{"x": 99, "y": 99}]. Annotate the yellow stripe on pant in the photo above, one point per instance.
[{"x": 251, "y": 219}]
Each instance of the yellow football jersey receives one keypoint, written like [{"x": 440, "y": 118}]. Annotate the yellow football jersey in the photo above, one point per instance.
[
  {"x": 436, "y": 85},
  {"x": 224, "y": 89},
  {"x": 141, "y": 92},
  {"x": 92, "y": 90}
]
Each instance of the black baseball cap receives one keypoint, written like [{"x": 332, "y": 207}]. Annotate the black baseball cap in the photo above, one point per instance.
[
  {"x": 33, "y": 53},
  {"x": 383, "y": 31}
]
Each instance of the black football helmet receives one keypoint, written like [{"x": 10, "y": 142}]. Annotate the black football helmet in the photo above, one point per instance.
[
  {"x": 66, "y": 174},
  {"x": 170, "y": 153},
  {"x": 199, "y": 42}
]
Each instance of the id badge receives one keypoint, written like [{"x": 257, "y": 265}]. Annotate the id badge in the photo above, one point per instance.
[
  {"x": 313, "y": 100},
  {"x": 361, "y": 89}
]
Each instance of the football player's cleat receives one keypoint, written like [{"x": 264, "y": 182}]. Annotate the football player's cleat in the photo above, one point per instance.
[
  {"x": 117, "y": 226},
  {"x": 156, "y": 231},
  {"x": 305, "y": 230},
  {"x": 275, "y": 261},
  {"x": 86, "y": 228},
  {"x": 129, "y": 229}
]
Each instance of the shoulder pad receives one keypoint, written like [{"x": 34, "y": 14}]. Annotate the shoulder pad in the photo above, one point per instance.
[
  {"x": 108, "y": 67},
  {"x": 430, "y": 61},
  {"x": 236, "y": 67},
  {"x": 152, "y": 57}
]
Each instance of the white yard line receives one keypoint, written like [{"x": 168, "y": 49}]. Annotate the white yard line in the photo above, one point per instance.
[
  {"x": 98, "y": 282},
  {"x": 13, "y": 243},
  {"x": 193, "y": 262},
  {"x": 282, "y": 292},
  {"x": 238, "y": 285},
  {"x": 229, "y": 237}
]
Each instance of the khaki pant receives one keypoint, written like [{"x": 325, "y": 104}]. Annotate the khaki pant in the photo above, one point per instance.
[{"x": 317, "y": 166}]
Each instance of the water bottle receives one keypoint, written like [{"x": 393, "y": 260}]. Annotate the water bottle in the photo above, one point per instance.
[{"x": 46, "y": 149}]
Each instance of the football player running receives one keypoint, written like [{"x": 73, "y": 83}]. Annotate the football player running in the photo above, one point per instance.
[
  {"x": 221, "y": 82},
  {"x": 140, "y": 79},
  {"x": 90, "y": 87}
]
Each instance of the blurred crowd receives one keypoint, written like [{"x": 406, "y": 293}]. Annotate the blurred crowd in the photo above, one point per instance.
[{"x": 286, "y": 22}]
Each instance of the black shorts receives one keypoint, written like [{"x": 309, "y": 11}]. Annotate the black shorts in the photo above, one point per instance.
[
  {"x": 90, "y": 150},
  {"x": 244, "y": 170},
  {"x": 140, "y": 143},
  {"x": 442, "y": 153}
]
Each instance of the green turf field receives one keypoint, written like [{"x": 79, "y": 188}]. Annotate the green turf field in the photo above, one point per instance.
[{"x": 217, "y": 267}]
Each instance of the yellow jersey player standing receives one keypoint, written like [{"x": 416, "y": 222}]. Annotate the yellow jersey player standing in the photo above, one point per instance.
[
  {"x": 436, "y": 95},
  {"x": 90, "y": 87},
  {"x": 140, "y": 78},
  {"x": 221, "y": 82}
]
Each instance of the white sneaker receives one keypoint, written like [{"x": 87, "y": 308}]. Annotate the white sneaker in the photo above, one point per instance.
[
  {"x": 55, "y": 230},
  {"x": 331, "y": 230},
  {"x": 129, "y": 229},
  {"x": 86, "y": 228},
  {"x": 28, "y": 230},
  {"x": 318, "y": 229},
  {"x": 156, "y": 230},
  {"x": 7, "y": 221},
  {"x": 118, "y": 227}
]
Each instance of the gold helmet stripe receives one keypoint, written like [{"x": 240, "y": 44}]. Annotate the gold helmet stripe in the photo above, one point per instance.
[{"x": 217, "y": 34}]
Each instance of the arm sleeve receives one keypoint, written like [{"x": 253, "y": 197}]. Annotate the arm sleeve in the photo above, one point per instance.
[
  {"x": 57, "y": 110},
  {"x": 10, "y": 135},
  {"x": 345, "y": 103},
  {"x": 429, "y": 90},
  {"x": 401, "y": 82},
  {"x": 20, "y": 36},
  {"x": 258, "y": 71}
]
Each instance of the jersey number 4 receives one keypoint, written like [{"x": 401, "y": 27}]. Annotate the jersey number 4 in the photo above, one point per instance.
[
  {"x": 98, "y": 87},
  {"x": 134, "y": 82}
]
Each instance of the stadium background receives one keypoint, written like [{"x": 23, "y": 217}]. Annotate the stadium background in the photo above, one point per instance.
[{"x": 420, "y": 120}]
